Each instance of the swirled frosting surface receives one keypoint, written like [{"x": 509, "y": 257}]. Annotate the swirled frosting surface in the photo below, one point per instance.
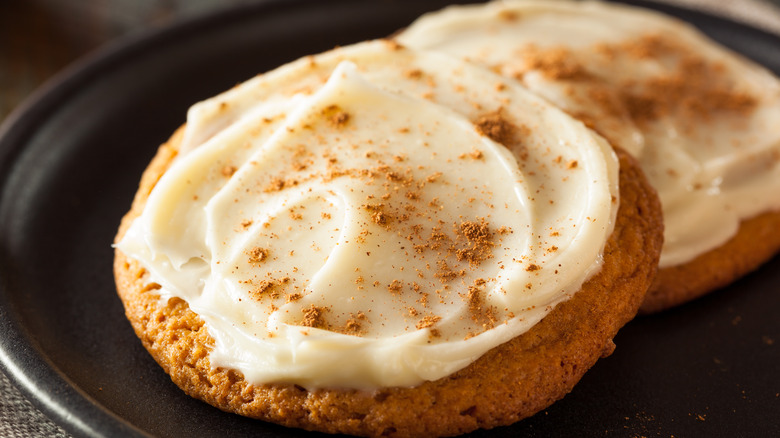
[
  {"x": 702, "y": 121},
  {"x": 375, "y": 216}
]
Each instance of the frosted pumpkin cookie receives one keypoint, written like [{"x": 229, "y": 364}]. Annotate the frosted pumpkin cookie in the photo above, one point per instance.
[
  {"x": 702, "y": 121},
  {"x": 378, "y": 241}
]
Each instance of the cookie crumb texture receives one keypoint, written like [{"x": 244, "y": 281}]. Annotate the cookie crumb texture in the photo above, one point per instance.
[{"x": 510, "y": 382}]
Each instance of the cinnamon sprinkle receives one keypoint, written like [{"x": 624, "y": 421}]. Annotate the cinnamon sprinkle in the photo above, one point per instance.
[
  {"x": 428, "y": 322},
  {"x": 474, "y": 300},
  {"x": 228, "y": 170},
  {"x": 337, "y": 117},
  {"x": 555, "y": 63},
  {"x": 265, "y": 289},
  {"x": 395, "y": 287},
  {"x": 257, "y": 255},
  {"x": 414, "y": 73},
  {"x": 695, "y": 88},
  {"x": 353, "y": 327},
  {"x": 313, "y": 316},
  {"x": 275, "y": 185},
  {"x": 378, "y": 214},
  {"x": 479, "y": 238},
  {"x": 494, "y": 126}
]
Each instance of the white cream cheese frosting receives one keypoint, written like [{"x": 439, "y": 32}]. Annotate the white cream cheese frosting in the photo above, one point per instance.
[
  {"x": 375, "y": 216},
  {"x": 703, "y": 122}
]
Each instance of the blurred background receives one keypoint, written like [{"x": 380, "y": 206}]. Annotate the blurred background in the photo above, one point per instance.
[{"x": 39, "y": 38}]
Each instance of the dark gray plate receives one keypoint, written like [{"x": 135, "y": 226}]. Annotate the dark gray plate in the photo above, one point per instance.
[{"x": 69, "y": 164}]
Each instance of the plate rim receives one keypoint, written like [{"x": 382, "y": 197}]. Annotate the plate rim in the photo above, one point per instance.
[{"x": 22, "y": 359}]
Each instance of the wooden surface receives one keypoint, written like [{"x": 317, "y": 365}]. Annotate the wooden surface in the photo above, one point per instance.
[{"x": 38, "y": 38}]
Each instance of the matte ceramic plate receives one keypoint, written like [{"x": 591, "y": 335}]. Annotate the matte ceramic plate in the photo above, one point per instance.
[{"x": 69, "y": 165}]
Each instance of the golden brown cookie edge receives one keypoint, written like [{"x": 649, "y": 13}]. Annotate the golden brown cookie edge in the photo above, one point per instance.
[
  {"x": 510, "y": 382},
  {"x": 756, "y": 242}
]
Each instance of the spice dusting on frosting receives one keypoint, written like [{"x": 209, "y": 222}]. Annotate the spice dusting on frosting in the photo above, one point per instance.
[
  {"x": 556, "y": 63},
  {"x": 364, "y": 223},
  {"x": 314, "y": 317},
  {"x": 428, "y": 322},
  {"x": 257, "y": 255},
  {"x": 689, "y": 86},
  {"x": 695, "y": 87},
  {"x": 698, "y": 118},
  {"x": 479, "y": 242},
  {"x": 354, "y": 325},
  {"x": 229, "y": 170},
  {"x": 265, "y": 288},
  {"x": 275, "y": 185},
  {"x": 480, "y": 312},
  {"x": 337, "y": 117},
  {"x": 497, "y": 127}
]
